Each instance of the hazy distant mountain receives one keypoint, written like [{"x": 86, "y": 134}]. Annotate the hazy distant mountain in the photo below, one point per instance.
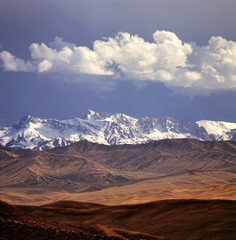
[{"x": 110, "y": 129}]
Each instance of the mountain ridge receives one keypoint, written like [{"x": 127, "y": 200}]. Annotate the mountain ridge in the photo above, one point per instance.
[
  {"x": 85, "y": 166},
  {"x": 109, "y": 129}
]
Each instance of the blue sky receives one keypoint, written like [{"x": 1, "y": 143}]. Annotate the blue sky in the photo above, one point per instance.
[{"x": 143, "y": 58}]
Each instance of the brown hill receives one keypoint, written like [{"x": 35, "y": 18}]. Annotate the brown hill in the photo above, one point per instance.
[
  {"x": 56, "y": 171},
  {"x": 183, "y": 166},
  {"x": 168, "y": 219},
  {"x": 19, "y": 224},
  {"x": 214, "y": 184},
  {"x": 164, "y": 156}
]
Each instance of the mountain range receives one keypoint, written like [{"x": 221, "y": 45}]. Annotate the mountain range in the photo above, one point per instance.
[
  {"x": 112, "y": 176},
  {"x": 109, "y": 129},
  {"x": 84, "y": 171}
]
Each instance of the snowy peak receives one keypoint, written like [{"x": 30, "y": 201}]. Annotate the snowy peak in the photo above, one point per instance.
[
  {"x": 116, "y": 117},
  {"x": 110, "y": 129},
  {"x": 56, "y": 142},
  {"x": 95, "y": 116},
  {"x": 219, "y": 130},
  {"x": 25, "y": 121},
  {"x": 173, "y": 126}
]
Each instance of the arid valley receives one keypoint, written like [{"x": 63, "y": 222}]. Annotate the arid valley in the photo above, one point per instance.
[{"x": 158, "y": 190}]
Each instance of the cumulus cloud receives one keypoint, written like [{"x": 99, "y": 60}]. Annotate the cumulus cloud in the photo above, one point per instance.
[
  {"x": 129, "y": 57},
  {"x": 44, "y": 66},
  {"x": 11, "y": 63}
]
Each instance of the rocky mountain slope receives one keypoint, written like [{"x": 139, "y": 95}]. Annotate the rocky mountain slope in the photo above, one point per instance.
[
  {"x": 85, "y": 166},
  {"x": 110, "y": 129}
]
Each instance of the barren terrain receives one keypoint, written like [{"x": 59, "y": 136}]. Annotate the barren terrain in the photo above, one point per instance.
[
  {"x": 166, "y": 219},
  {"x": 89, "y": 172},
  {"x": 169, "y": 189}
]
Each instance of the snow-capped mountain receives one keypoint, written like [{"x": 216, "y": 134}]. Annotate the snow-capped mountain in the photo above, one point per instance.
[
  {"x": 218, "y": 130},
  {"x": 110, "y": 129}
]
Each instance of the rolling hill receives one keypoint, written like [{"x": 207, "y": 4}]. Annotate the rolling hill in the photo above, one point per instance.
[{"x": 177, "y": 168}]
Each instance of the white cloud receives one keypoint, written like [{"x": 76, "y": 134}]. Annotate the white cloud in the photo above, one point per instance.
[
  {"x": 11, "y": 63},
  {"x": 129, "y": 57},
  {"x": 193, "y": 76},
  {"x": 58, "y": 43},
  {"x": 44, "y": 66},
  {"x": 216, "y": 63}
]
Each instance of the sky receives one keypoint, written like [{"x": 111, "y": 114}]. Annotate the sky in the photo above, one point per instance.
[{"x": 59, "y": 58}]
